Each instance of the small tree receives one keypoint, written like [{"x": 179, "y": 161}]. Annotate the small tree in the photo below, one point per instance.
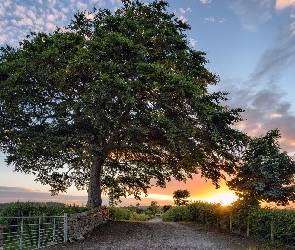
[
  {"x": 153, "y": 208},
  {"x": 180, "y": 197},
  {"x": 266, "y": 173}
]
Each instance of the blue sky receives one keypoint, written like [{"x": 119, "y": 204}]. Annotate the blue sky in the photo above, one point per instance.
[{"x": 250, "y": 44}]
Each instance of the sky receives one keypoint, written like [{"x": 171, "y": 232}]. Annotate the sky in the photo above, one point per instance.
[{"x": 250, "y": 44}]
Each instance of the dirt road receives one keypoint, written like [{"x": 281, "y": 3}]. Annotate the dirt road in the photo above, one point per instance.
[{"x": 161, "y": 235}]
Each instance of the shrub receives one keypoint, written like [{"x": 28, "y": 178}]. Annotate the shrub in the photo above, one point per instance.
[
  {"x": 139, "y": 217},
  {"x": 178, "y": 213},
  {"x": 166, "y": 208},
  {"x": 119, "y": 213}
]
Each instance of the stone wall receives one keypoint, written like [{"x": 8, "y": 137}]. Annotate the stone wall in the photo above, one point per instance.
[{"x": 82, "y": 223}]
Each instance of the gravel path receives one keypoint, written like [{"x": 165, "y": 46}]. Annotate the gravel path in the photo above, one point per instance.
[{"x": 161, "y": 235}]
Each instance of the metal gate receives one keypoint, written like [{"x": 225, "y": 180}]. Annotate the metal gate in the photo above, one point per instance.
[{"x": 26, "y": 233}]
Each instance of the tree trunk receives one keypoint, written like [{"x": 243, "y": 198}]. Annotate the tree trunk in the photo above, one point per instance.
[{"x": 94, "y": 189}]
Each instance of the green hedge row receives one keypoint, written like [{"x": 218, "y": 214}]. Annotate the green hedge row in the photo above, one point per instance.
[
  {"x": 276, "y": 225},
  {"x": 19, "y": 209}
]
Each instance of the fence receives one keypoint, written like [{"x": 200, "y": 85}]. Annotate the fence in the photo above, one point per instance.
[
  {"x": 26, "y": 233},
  {"x": 32, "y": 232}
]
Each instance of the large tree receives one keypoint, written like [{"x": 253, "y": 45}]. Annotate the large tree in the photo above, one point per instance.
[
  {"x": 112, "y": 102},
  {"x": 265, "y": 173}
]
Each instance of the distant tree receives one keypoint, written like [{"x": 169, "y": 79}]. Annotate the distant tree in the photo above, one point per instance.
[
  {"x": 180, "y": 197},
  {"x": 153, "y": 208},
  {"x": 112, "y": 102},
  {"x": 266, "y": 173}
]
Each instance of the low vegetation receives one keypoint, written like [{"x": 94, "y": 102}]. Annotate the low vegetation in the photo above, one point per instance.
[
  {"x": 16, "y": 209},
  {"x": 268, "y": 224},
  {"x": 134, "y": 213}
]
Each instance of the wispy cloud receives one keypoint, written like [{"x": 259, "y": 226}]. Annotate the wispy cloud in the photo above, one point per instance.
[
  {"x": 275, "y": 59},
  {"x": 193, "y": 42},
  {"x": 252, "y": 13},
  {"x": 209, "y": 19},
  {"x": 281, "y": 4},
  {"x": 182, "y": 11},
  {"x": 222, "y": 20},
  {"x": 205, "y": 1},
  {"x": 260, "y": 95},
  {"x": 23, "y": 194},
  {"x": 99, "y": 3}
]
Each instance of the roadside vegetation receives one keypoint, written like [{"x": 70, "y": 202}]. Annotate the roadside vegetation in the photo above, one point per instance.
[
  {"x": 273, "y": 225},
  {"x": 19, "y": 209},
  {"x": 135, "y": 213}
]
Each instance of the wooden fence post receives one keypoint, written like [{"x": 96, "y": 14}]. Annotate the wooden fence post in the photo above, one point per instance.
[
  {"x": 217, "y": 222},
  {"x": 230, "y": 220},
  {"x": 248, "y": 226},
  {"x": 2, "y": 227},
  {"x": 272, "y": 231}
]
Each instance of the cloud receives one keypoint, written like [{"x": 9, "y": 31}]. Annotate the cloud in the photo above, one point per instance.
[
  {"x": 276, "y": 59},
  {"x": 265, "y": 109},
  {"x": 252, "y": 13},
  {"x": 205, "y": 1},
  {"x": 23, "y": 194},
  {"x": 209, "y": 19},
  {"x": 81, "y": 6},
  {"x": 99, "y": 3},
  {"x": 182, "y": 11},
  {"x": 222, "y": 20},
  {"x": 18, "y": 18},
  {"x": 193, "y": 42},
  {"x": 261, "y": 96},
  {"x": 51, "y": 3},
  {"x": 50, "y": 18},
  {"x": 281, "y": 4},
  {"x": 183, "y": 19},
  {"x": 115, "y": 1}
]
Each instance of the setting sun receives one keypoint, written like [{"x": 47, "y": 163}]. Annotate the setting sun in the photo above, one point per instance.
[{"x": 223, "y": 198}]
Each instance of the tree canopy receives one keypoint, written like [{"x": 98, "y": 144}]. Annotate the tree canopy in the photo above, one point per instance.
[
  {"x": 180, "y": 197},
  {"x": 265, "y": 173},
  {"x": 113, "y": 101}
]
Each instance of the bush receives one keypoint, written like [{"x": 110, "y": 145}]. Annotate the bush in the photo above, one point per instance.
[
  {"x": 178, "y": 213},
  {"x": 166, "y": 208},
  {"x": 119, "y": 213},
  {"x": 140, "y": 217},
  {"x": 123, "y": 214}
]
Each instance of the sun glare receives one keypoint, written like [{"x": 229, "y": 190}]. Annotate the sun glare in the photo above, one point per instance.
[{"x": 223, "y": 198}]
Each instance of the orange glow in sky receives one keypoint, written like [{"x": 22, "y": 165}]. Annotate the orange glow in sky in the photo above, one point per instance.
[{"x": 200, "y": 190}]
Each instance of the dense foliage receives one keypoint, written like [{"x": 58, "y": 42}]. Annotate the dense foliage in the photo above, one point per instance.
[
  {"x": 180, "y": 197},
  {"x": 198, "y": 211},
  {"x": 239, "y": 219},
  {"x": 33, "y": 209},
  {"x": 265, "y": 173},
  {"x": 17, "y": 209},
  {"x": 129, "y": 213},
  {"x": 112, "y": 102}
]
